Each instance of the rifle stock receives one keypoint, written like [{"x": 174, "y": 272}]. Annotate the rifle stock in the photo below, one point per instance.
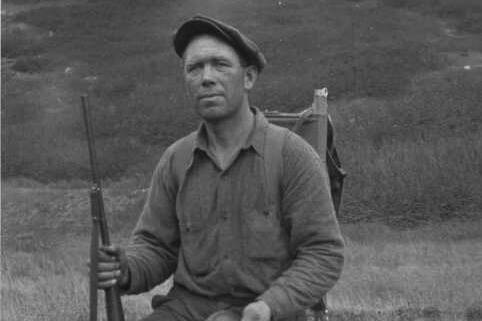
[{"x": 113, "y": 301}]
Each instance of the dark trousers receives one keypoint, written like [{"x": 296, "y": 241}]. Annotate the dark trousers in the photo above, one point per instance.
[{"x": 182, "y": 305}]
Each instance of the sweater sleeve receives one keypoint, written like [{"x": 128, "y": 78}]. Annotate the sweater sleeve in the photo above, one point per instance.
[
  {"x": 315, "y": 237},
  {"x": 153, "y": 248}
]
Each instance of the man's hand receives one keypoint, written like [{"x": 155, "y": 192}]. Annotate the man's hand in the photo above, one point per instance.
[
  {"x": 256, "y": 311},
  {"x": 112, "y": 267}
]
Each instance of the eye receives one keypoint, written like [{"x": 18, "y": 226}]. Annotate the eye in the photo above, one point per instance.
[
  {"x": 190, "y": 68},
  {"x": 221, "y": 63}
]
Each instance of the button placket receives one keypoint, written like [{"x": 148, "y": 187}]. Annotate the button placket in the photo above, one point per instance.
[
  {"x": 222, "y": 201},
  {"x": 225, "y": 240}
]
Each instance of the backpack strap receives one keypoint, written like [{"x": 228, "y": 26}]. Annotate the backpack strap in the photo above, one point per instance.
[
  {"x": 183, "y": 157},
  {"x": 273, "y": 167},
  {"x": 275, "y": 137}
]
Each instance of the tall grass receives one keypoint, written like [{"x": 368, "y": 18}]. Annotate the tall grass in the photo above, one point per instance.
[
  {"x": 39, "y": 216},
  {"x": 42, "y": 287},
  {"x": 52, "y": 284},
  {"x": 414, "y": 182},
  {"x": 389, "y": 275},
  {"x": 417, "y": 157}
]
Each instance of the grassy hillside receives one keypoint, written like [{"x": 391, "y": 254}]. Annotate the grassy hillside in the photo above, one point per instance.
[
  {"x": 358, "y": 49},
  {"x": 406, "y": 106}
]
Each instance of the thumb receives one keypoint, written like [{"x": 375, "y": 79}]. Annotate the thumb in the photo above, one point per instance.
[{"x": 249, "y": 313}]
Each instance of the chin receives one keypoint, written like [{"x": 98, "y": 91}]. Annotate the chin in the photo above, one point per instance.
[{"x": 213, "y": 113}]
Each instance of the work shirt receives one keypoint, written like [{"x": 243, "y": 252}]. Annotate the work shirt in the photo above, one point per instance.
[{"x": 214, "y": 229}]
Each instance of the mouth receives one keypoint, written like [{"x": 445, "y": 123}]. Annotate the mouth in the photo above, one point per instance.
[{"x": 207, "y": 96}]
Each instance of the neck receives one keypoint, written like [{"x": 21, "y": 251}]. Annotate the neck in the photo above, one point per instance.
[{"x": 230, "y": 134}]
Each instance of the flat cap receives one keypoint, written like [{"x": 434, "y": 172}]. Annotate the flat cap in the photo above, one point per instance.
[{"x": 199, "y": 25}]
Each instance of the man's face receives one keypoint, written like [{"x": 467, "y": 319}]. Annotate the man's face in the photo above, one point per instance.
[{"x": 216, "y": 81}]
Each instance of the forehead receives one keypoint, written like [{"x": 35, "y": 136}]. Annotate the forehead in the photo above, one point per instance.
[{"x": 206, "y": 46}]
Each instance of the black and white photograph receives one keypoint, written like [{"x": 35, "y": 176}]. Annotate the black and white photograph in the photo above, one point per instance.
[{"x": 241, "y": 160}]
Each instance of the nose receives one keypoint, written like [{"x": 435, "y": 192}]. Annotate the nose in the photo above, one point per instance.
[{"x": 207, "y": 76}]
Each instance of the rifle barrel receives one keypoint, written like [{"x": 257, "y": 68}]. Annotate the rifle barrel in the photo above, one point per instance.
[
  {"x": 89, "y": 130},
  {"x": 97, "y": 188}
]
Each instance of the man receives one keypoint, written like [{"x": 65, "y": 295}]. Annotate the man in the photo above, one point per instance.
[{"x": 236, "y": 253}]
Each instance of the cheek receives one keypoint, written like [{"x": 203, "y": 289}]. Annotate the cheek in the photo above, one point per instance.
[
  {"x": 190, "y": 85},
  {"x": 236, "y": 83}
]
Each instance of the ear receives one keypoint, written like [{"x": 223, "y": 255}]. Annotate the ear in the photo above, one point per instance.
[{"x": 250, "y": 77}]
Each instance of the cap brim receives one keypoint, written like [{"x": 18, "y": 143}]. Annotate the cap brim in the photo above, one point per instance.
[{"x": 194, "y": 28}]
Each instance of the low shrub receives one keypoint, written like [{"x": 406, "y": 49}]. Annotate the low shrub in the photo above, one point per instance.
[
  {"x": 467, "y": 14},
  {"x": 31, "y": 64},
  {"x": 22, "y": 39}
]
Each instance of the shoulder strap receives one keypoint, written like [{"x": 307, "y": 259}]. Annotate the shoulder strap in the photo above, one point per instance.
[
  {"x": 273, "y": 163},
  {"x": 182, "y": 158}
]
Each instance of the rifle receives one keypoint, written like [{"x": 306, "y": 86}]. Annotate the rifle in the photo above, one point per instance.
[{"x": 113, "y": 301}]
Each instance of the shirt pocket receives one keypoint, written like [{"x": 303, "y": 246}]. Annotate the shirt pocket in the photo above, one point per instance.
[
  {"x": 197, "y": 249},
  {"x": 264, "y": 236}
]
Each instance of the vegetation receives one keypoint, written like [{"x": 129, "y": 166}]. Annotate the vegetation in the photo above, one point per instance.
[
  {"x": 467, "y": 14},
  {"x": 428, "y": 272},
  {"x": 407, "y": 114},
  {"x": 404, "y": 79},
  {"x": 431, "y": 272}
]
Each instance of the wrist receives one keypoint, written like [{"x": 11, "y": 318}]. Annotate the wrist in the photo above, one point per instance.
[{"x": 125, "y": 280}]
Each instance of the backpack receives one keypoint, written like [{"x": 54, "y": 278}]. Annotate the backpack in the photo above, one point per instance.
[{"x": 308, "y": 125}]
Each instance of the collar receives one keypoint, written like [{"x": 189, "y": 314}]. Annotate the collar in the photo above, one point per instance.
[{"x": 256, "y": 138}]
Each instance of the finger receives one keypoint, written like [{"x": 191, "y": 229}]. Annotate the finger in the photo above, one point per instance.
[
  {"x": 102, "y": 256},
  {"x": 113, "y": 250},
  {"x": 107, "y": 284},
  {"x": 108, "y": 266},
  {"x": 111, "y": 275}
]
